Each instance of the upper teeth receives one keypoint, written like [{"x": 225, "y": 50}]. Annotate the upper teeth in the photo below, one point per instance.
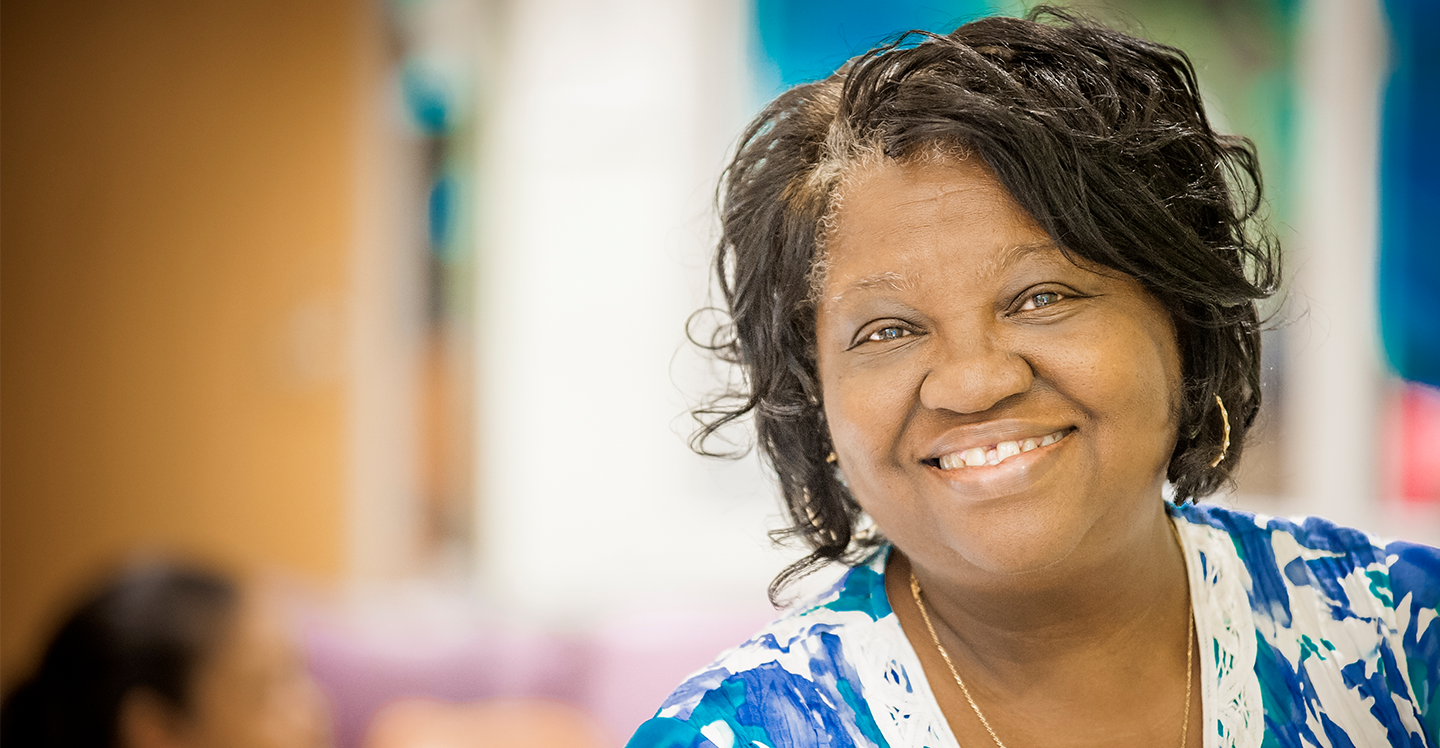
[{"x": 996, "y": 454}]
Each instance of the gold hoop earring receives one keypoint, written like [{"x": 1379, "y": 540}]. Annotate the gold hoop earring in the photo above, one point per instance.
[
  {"x": 1225, "y": 445},
  {"x": 834, "y": 461}
]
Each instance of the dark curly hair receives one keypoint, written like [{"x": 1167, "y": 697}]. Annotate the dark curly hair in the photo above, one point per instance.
[{"x": 1101, "y": 137}]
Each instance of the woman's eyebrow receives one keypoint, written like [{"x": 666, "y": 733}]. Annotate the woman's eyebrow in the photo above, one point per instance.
[
  {"x": 1004, "y": 259},
  {"x": 888, "y": 279},
  {"x": 1013, "y": 255}
]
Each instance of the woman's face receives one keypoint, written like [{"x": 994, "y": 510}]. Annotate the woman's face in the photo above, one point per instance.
[
  {"x": 255, "y": 692},
  {"x": 992, "y": 404}
]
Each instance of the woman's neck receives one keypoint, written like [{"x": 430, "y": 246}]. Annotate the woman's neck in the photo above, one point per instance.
[{"x": 1103, "y": 598}]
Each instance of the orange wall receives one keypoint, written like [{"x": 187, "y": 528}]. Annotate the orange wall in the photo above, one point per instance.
[{"x": 177, "y": 209}]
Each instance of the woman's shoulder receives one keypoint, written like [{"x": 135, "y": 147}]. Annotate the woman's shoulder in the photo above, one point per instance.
[
  {"x": 1257, "y": 536},
  {"x": 802, "y": 644},
  {"x": 1310, "y": 551},
  {"x": 810, "y": 674},
  {"x": 1331, "y": 617},
  {"x": 1314, "y": 533}
]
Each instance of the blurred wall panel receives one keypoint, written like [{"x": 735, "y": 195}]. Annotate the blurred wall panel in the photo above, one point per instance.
[
  {"x": 1333, "y": 446},
  {"x": 612, "y": 119},
  {"x": 177, "y": 205}
]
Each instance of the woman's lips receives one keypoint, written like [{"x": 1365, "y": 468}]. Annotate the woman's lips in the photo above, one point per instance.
[{"x": 995, "y": 454}]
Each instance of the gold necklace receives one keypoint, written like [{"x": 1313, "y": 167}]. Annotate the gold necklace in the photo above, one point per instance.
[{"x": 1189, "y": 655}]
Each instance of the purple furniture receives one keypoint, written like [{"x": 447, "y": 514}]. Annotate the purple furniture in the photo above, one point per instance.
[{"x": 619, "y": 671}]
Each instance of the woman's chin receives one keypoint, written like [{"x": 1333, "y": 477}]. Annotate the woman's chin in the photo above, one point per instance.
[
  {"x": 1001, "y": 559},
  {"x": 1017, "y": 544}
]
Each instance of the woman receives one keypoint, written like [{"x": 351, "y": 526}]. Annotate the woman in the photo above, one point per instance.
[
  {"x": 169, "y": 656},
  {"x": 990, "y": 292}
]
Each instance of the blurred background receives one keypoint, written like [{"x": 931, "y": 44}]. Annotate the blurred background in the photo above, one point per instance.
[{"x": 389, "y": 298}]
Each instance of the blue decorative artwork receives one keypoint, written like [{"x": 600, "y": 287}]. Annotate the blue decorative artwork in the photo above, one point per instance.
[
  {"x": 1409, "y": 271},
  {"x": 805, "y": 40}
]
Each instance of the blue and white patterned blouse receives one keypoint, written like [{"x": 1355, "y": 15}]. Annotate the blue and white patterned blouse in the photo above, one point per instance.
[{"x": 1310, "y": 634}]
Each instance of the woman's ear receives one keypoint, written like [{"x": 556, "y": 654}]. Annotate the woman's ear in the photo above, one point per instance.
[{"x": 148, "y": 721}]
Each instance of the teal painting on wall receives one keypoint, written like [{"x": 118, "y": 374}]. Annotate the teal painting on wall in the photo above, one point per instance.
[
  {"x": 805, "y": 40},
  {"x": 1409, "y": 271}
]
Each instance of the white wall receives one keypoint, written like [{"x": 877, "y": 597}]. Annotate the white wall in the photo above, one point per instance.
[
  {"x": 1332, "y": 439},
  {"x": 607, "y": 133}
]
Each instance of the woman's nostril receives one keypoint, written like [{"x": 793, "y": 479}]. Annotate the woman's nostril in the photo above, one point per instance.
[{"x": 975, "y": 386}]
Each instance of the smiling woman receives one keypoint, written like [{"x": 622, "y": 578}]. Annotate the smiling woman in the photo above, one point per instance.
[{"x": 990, "y": 293}]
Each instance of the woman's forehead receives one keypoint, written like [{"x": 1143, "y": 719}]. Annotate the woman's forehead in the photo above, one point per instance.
[
  {"x": 905, "y": 197},
  {"x": 901, "y": 206}
]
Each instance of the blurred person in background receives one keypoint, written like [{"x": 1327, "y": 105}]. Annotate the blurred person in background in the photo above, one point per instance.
[
  {"x": 990, "y": 292},
  {"x": 167, "y": 655}
]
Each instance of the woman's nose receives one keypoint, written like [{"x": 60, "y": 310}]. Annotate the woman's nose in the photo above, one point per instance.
[{"x": 973, "y": 374}]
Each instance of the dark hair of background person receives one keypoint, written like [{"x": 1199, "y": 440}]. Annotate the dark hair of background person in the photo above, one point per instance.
[
  {"x": 1101, "y": 137},
  {"x": 151, "y": 627}
]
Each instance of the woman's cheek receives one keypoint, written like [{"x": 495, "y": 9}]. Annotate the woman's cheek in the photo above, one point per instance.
[{"x": 871, "y": 400}]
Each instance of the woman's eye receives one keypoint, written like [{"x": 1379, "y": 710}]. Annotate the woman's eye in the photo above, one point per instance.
[
  {"x": 888, "y": 333},
  {"x": 1035, "y": 301}
]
